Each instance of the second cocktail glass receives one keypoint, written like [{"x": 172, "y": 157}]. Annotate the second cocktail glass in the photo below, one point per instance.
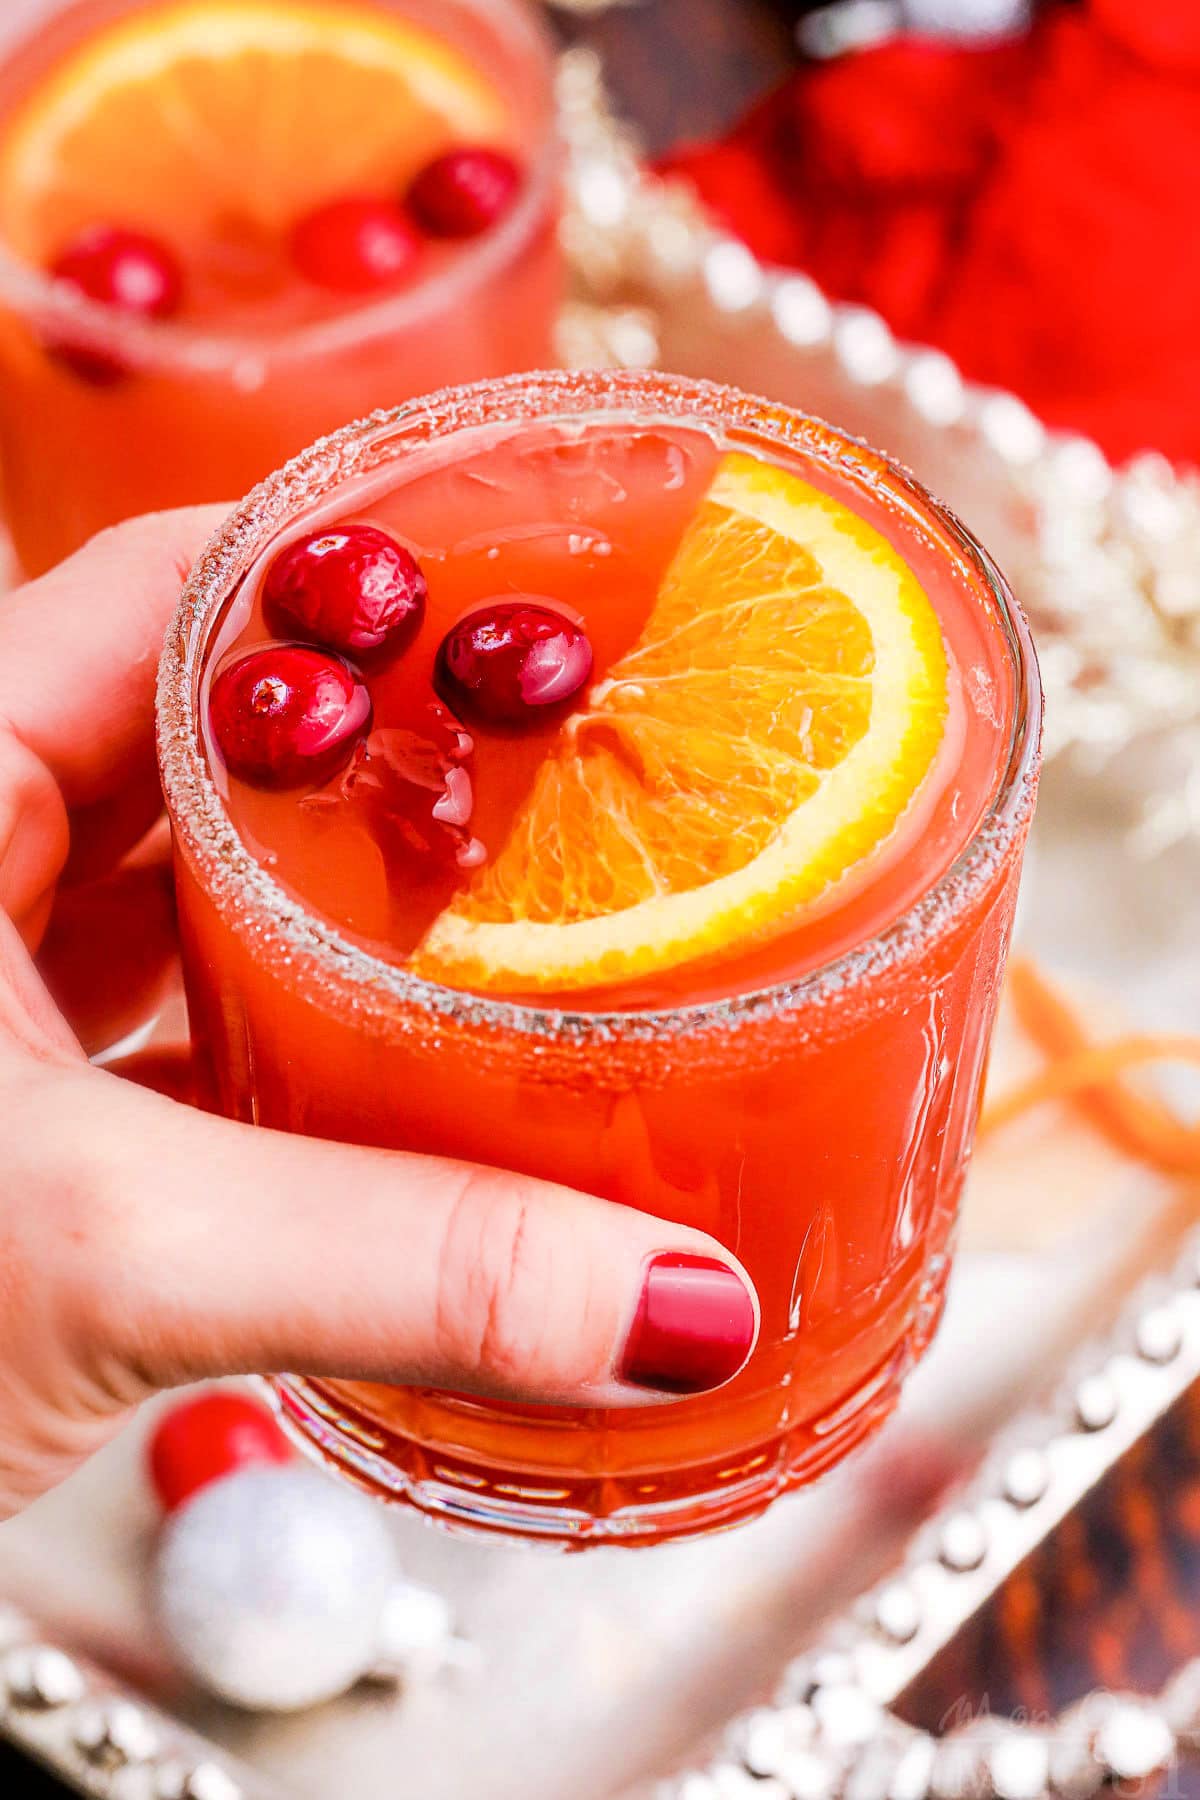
[
  {"x": 809, "y": 1100},
  {"x": 104, "y": 413}
]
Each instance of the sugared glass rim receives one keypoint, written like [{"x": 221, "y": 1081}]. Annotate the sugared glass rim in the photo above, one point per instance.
[
  {"x": 260, "y": 910},
  {"x": 166, "y": 345}
]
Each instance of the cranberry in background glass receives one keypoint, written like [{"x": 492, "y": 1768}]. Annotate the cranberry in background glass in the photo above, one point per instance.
[
  {"x": 460, "y": 194},
  {"x": 287, "y": 715},
  {"x": 123, "y": 269},
  {"x": 506, "y": 662},
  {"x": 356, "y": 245},
  {"x": 353, "y": 589},
  {"x": 202, "y": 1439}
]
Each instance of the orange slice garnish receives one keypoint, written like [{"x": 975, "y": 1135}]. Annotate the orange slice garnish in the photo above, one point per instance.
[{"x": 783, "y": 706}]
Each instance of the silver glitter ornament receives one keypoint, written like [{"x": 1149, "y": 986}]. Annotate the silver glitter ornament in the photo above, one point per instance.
[{"x": 271, "y": 1586}]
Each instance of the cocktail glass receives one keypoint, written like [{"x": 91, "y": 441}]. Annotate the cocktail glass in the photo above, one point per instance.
[
  {"x": 820, "y": 1125},
  {"x": 201, "y": 413}
]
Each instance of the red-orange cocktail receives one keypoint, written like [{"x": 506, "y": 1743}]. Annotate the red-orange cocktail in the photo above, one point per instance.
[
  {"x": 716, "y": 932},
  {"x": 226, "y": 226}
]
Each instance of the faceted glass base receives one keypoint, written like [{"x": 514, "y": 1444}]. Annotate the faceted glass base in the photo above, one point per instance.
[{"x": 468, "y": 1496}]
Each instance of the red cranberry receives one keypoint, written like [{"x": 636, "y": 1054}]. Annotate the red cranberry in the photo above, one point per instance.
[
  {"x": 509, "y": 660},
  {"x": 354, "y": 589},
  {"x": 460, "y": 194},
  {"x": 208, "y": 1437},
  {"x": 286, "y": 715},
  {"x": 416, "y": 790},
  {"x": 355, "y": 245},
  {"x": 126, "y": 270}
]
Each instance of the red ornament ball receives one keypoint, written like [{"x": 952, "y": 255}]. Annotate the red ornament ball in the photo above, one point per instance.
[{"x": 208, "y": 1437}]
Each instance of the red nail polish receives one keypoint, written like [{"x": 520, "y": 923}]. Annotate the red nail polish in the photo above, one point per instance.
[{"x": 693, "y": 1329}]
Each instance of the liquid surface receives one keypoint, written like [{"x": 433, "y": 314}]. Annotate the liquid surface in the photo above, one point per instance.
[{"x": 590, "y": 519}]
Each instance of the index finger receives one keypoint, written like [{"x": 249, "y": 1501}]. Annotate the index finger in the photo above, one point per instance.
[{"x": 79, "y": 651}]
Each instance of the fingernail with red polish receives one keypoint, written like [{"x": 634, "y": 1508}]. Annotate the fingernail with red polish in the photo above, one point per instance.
[{"x": 694, "y": 1327}]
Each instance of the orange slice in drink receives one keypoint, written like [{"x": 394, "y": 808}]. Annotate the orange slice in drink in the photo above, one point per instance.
[
  {"x": 783, "y": 705},
  {"x": 179, "y": 119}
]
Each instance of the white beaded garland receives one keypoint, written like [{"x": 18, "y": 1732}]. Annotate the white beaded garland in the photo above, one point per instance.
[
  {"x": 733, "y": 276},
  {"x": 864, "y": 346},
  {"x": 801, "y": 312},
  {"x": 935, "y": 388}
]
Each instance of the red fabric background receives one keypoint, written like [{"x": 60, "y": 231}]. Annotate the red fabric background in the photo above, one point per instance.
[{"x": 1031, "y": 207}]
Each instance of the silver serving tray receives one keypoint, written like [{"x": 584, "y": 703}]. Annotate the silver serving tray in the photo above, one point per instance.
[{"x": 834, "y": 1726}]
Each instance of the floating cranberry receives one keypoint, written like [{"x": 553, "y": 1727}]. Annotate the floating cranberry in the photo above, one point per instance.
[
  {"x": 356, "y": 245},
  {"x": 126, "y": 270},
  {"x": 287, "y": 715},
  {"x": 353, "y": 588},
  {"x": 415, "y": 789},
  {"x": 460, "y": 194},
  {"x": 508, "y": 661},
  {"x": 205, "y": 1438}
]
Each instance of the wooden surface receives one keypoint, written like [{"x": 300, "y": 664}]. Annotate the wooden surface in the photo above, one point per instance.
[{"x": 686, "y": 68}]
